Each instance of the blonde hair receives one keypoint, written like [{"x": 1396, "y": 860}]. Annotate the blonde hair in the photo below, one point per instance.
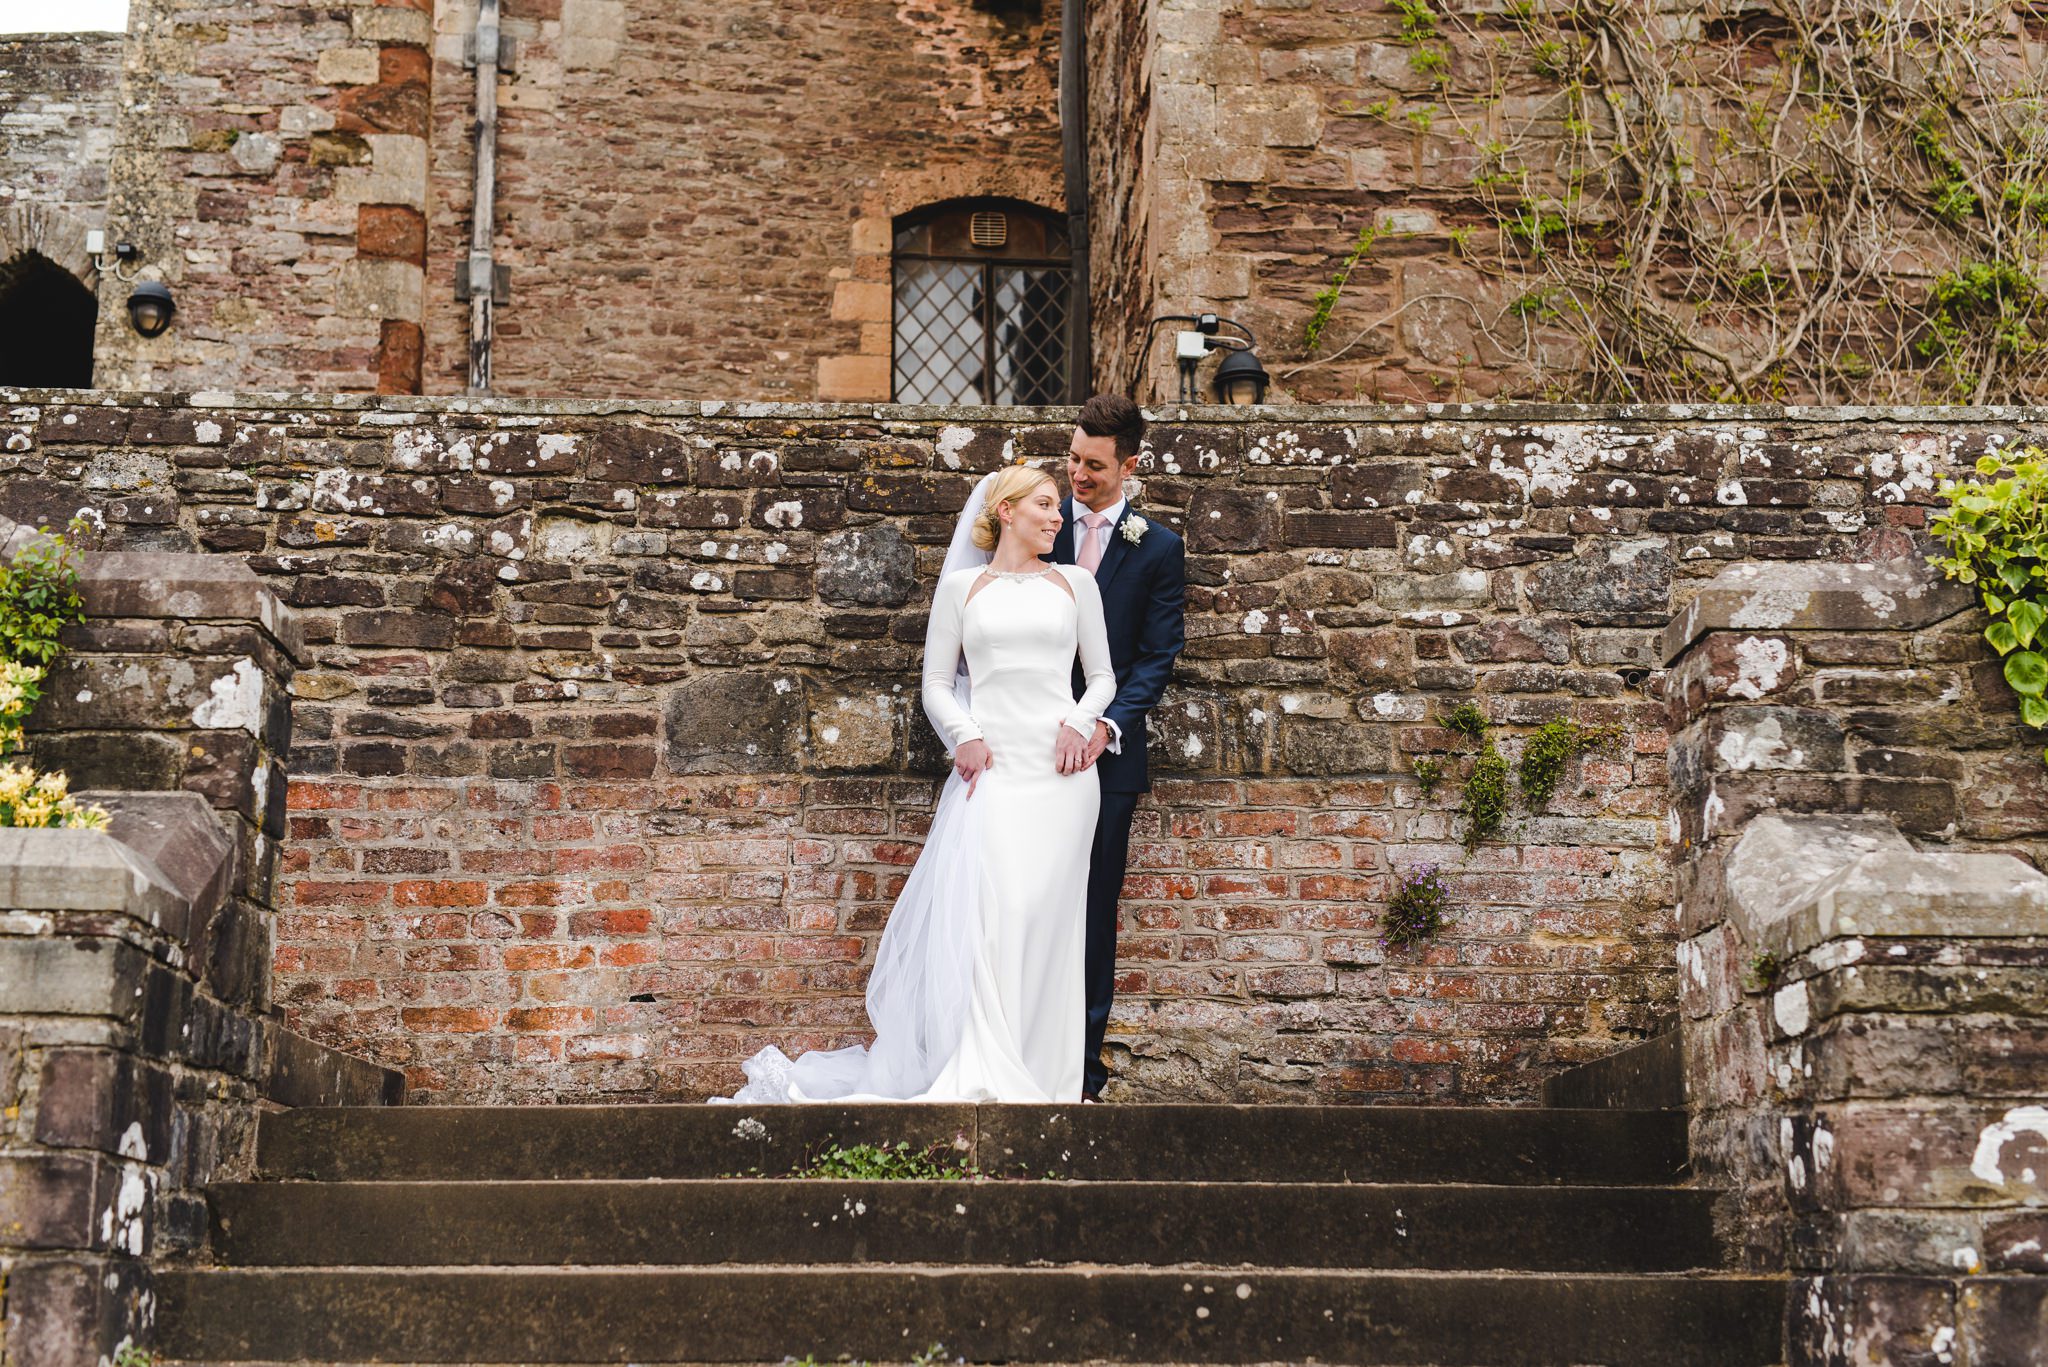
[{"x": 1012, "y": 484}]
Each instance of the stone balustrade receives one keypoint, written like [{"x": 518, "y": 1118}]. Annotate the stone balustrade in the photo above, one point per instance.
[
  {"x": 138, "y": 1038},
  {"x": 1863, "y": 971}
]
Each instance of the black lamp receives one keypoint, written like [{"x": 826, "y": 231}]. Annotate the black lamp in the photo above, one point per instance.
[
  {"x": 150, "y": 308},
  {"x": 1239, "y": 378}
]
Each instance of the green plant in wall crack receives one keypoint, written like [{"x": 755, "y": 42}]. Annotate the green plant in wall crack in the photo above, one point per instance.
[
  {"x": 1545, "y": 754},
  {"x": 1996, "y": 531},
  {"x": 1485, "y": 803}
]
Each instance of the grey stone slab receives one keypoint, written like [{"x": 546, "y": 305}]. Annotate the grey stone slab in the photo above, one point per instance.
[
  {"x": 79, "y": 870},
  {"x": 1904, "y": 894},
  {"x": 303, "y": 1073},
  {"x": 1049, "y": 1315},
  {"x": 70, "y": 977},
  {"x": 186, "y": 588},
  {"x": 182, "y": 839},
  {"x": 1781, "y": 859},
  {"x": 1893, "y": 595}
]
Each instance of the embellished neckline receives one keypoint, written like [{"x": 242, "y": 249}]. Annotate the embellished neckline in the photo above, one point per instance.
[{"x": 1019, "y": 574}]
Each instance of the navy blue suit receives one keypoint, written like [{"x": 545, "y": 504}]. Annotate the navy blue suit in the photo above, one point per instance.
[{"x": 1144, "y": 606}]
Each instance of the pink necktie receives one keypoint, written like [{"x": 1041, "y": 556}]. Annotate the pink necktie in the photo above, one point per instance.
[{"x": 1092, "y": 545}]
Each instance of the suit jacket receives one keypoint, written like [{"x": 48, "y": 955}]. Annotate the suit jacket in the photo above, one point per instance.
[{"x": 1144, "y": 606}]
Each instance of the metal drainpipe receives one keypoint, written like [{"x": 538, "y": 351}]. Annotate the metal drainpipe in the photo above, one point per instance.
[
  {"x": 1074, "y": 150},
  {"x": 482, "y": 277}
]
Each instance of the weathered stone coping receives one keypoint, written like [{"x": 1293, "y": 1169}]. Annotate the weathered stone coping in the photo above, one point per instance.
[
  {"x": 1261, "y": 415},
  {"x": 1803, "y": 881},
  {"x": 1899, "y": 595},
  {"x": 186, "y": 588},
  {"x": 79, "y": 870}
]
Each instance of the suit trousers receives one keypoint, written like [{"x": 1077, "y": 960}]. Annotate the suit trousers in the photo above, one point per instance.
[{"x": 1107, "y": 859}]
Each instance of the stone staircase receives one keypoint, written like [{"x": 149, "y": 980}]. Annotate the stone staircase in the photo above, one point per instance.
[{"x": 1151, "y": 1234}]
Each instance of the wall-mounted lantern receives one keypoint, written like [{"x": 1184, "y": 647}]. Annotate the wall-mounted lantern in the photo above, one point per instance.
[{"x": 150, "y": 308}]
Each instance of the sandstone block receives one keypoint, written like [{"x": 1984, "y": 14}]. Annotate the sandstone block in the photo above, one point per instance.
[
  {"x": 347, "y": 66},
  {"x": 853, "y": 378},
  {"x": 397, "y": 174},
  {"x": 1621, "y": 584},
  {"x": 861, "y": 301},
  {"x": 369, "y": 288}
]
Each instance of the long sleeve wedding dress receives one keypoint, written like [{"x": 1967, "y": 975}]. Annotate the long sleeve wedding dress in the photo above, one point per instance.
[{"x": 977, "y": 993}]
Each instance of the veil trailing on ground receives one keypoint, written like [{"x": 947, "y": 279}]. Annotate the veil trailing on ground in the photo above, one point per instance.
[{"x": 918, "y": 995}]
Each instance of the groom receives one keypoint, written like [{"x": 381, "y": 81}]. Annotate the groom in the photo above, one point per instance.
[{"x": 1140, "y": 567}]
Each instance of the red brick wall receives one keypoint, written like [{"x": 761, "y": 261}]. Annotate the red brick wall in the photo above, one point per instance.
[{"x": 621, "y": 705}]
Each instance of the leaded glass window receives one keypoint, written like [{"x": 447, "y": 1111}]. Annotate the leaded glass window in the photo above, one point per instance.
[{"x": 981, "y": 305}]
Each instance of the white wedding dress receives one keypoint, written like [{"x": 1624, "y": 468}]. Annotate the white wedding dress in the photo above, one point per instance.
[{"x": 977, "y": 992}]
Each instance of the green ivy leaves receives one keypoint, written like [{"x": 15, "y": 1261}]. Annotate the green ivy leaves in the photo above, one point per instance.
[{"x": 1996, "y": 532}]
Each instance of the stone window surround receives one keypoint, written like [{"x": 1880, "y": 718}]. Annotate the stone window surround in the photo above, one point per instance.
[{"x": 862, "y": 289}]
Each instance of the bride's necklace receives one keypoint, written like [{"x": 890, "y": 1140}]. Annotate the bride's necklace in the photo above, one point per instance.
[{"x": 1038, "y": 573}]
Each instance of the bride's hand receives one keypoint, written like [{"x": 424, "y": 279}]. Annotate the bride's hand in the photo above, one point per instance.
[
  {"x": 970, "y": 761},
  {"x": 1070, "y": 750}
]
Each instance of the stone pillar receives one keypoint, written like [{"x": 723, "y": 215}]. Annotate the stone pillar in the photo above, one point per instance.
[
  {"x": 1865, "y": 1019},
  {"x": 136, "y": 1033}
]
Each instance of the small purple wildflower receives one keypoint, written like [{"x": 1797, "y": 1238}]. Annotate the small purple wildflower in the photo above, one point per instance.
[{"x": 1418, "y": 909}]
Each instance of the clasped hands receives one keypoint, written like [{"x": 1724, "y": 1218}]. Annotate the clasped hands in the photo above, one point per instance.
[{"x": 1071, "y": 753}]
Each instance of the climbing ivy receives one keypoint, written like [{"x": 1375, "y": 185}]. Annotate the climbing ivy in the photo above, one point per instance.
[{"x": 1996, "y": 530}]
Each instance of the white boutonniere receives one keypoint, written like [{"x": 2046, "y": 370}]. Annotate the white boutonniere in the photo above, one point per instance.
[{"x": 1134, "y": 528}]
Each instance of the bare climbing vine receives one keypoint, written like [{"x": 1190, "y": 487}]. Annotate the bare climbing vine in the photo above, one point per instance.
[{"x": 1748, "y": 200}]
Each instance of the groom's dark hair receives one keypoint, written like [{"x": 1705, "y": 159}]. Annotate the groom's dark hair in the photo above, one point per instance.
[{"x": 1113, "y": 415}]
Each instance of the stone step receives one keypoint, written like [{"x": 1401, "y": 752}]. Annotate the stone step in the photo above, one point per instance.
[
  {"x": 1499, "y": 1146},
  {"x": 547, "y": 1315},
  {"x": 1022, "y": 1223}
]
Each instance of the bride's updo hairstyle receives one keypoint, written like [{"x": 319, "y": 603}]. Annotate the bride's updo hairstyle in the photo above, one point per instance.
[{"x": 1019, "y": 481}]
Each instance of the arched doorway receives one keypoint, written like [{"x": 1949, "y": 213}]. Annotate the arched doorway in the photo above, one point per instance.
[{"x": 46, "y": 324}]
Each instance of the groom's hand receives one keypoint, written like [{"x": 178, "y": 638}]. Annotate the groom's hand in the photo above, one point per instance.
[
  {"x": 1070, "y": 750},
  {"x": 1097, "y": 743}
]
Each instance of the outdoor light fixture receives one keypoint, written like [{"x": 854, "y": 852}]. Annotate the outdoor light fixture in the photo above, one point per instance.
[
  {"x": 1239, "y": 378},
  {"x": 150, "y": 308}
]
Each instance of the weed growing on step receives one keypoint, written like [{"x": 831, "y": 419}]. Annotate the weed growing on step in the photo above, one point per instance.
[
  {"x": 898, "y": 1162},
  {"x": 930, "y": 1357},
  {"x": 1418, "y": 909}
]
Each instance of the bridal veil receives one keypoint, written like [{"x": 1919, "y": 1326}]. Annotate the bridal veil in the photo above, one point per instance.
[{"x": 918, "y": 995}]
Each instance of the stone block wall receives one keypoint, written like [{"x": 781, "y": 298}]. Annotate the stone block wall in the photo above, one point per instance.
[
  {"x": 57, "y": 95},
  {"x": 1864, "y": 970},
  {"x": 696, "y": 200},
  {"x": 138, "y": 1036},
  {"x": 271, "y": 163},
  {"x": 607, "y": 760}
]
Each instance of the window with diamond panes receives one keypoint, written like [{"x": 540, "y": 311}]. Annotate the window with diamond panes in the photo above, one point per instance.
[{"x": 981, "y": 306}]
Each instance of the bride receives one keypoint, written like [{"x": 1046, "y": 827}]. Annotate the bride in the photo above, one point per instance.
[{"x": 977, "y": 992}]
